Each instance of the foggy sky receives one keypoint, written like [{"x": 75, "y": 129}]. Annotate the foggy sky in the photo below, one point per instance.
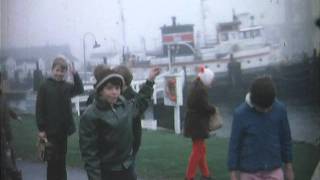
[{"x": 47, "y": 22}]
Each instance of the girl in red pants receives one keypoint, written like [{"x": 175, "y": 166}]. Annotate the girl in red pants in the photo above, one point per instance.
[{"x": 197, "y": 122}]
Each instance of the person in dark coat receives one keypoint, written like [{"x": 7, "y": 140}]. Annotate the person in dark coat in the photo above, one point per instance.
[
  {"x": 196, "y": 126},
  {"x": 54, "y": 116},
  {"x": 234, "y": 72},
  {"x": 9, "y": 170}
]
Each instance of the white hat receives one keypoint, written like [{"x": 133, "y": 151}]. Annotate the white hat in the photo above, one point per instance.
[{"x": 206, "y": 75}]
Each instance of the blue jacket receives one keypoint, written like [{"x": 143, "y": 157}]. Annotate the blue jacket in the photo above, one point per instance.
[{"x": 259, "y": 141}]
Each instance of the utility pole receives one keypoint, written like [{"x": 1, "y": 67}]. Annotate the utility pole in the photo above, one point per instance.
[
  {"x": 123, "y": 30},
  {"x": 203, "y": 21}
]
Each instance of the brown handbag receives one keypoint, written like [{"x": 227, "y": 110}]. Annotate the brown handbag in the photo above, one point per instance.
[
  {"x": 45, "y": 150},
  {"x": 215, "y": 121},
  {"x": 41, "y": 149}
]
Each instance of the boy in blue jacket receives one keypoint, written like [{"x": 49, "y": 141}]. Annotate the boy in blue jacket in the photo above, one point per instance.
[{"x": 260, "y": 141}]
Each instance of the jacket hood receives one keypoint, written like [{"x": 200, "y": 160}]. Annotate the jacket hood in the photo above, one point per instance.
[{"x": 248, "y": 100}]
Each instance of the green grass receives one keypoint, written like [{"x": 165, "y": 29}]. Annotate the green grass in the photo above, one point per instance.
[{"x": 163, "y": 155}]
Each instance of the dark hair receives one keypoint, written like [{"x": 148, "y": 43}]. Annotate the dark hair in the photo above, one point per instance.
[
  {"x": 60, "y": 61},
  {"x": 125, "y": 72},
  {"x": 198, "y": 94},
  {"x": 263, "y": 92}
]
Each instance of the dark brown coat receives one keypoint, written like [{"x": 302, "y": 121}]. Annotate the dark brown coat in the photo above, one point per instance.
[{"x": 198, "y": 111}]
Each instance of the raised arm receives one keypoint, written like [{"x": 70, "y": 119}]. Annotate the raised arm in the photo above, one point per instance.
[
  {"x": 141, "y": 101},
  {"x": 77, "y": 87}
]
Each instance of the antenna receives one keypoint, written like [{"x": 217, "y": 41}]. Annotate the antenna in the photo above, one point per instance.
[{"x": 203, "y": 20}]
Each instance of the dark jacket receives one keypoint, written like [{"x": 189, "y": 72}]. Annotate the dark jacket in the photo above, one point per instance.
[
  {"x": 105, "y": 133},
  {"x": 198, "y": 112},
  {"x": 9, "y": 169},
  {"x": 130, "y": 94},
  {"x": 54, "y": 108},
  {"x": 259, "y": 141}
]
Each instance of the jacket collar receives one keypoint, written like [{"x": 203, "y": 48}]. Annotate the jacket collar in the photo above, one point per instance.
[
  {"x": 248, "y": 100},
  {"x": 101, "y": 104},
  {"x": 54, "y": 80},
  {"x": 251, "y": 105}
]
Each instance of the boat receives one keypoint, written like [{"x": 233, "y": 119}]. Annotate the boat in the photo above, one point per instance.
[{"x": 240, "y": 38}]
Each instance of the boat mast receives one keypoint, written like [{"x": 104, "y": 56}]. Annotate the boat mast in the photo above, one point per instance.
[
  {"x": 123, "y": 30},
  {"x": 203, "y": 21}
]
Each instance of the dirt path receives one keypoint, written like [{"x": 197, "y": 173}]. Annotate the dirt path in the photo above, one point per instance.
[{"x": 37, "y": 171}]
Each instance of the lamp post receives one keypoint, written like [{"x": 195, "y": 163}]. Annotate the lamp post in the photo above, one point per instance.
[{"x": 96, "y": 45}]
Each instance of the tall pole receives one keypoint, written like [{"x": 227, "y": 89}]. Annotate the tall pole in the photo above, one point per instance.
[
  {"x": 84, "y": 59},
  {"x": 123, "y": 29},
  {"x": 203, "y": 21},
  {"x": 170, "y": 57}
]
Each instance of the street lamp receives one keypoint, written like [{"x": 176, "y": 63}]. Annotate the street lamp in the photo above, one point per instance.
[
  {"x": 96, "y": 45},
  {"x": 173, "y": 48}
]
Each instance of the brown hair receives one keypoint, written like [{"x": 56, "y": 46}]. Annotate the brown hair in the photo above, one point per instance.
[
  {"x": 263, "y": 92},
  {"x": 60, "y": 61},
  {"x": 125, "y": 72},
  {"x": 98, "y": 70}
]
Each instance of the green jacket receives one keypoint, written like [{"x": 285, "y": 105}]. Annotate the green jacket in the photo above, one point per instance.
[
  {"x": 105, "y": 133},
  {"x": 130, "y": 94}
]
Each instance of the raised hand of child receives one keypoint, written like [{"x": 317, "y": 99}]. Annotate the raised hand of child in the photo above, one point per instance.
[
  {"x": 42, "y": 135},
  {"x": 154, "y": 72},
  {"x": 72, "y": 69}
]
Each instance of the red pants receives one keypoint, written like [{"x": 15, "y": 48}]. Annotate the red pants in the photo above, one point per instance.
[{"x": 198, "y": 158}]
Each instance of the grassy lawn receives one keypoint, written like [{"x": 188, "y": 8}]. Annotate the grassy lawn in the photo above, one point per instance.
[{"x": 163, "y": 155}]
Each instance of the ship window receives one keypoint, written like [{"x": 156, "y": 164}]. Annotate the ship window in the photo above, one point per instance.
[
  {"x": 218, "y": 65},
  {"x": 248, "y": 61},
  {"x": 260, "y": 59}
]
